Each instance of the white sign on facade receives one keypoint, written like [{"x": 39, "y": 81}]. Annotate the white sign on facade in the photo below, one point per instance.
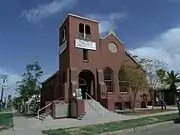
[
  {"x": 85, "y": 44},
  {"x": 78, "y": 93},
  {"x": 62, "y": 47}
]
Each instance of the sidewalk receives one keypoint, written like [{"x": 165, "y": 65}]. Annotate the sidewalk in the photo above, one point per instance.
[
  {"x": 67, "y": 123},
  {"x": 22, "y": 126},
  {"x": 32, "y": 126}
]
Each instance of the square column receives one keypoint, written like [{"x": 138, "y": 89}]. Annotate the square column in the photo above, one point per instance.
[
  {"x": 101, "y": 85},
  {"x": 116, "y": 82},
  {"x": 73, "y": 82}
]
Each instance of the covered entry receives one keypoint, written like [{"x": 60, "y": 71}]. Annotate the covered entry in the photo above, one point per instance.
[{"x": 86, "y": 83}]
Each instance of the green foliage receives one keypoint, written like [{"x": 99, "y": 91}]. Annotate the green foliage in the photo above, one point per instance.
[
  {"x": 161, "y": 74},
  {"x": 16, "y": 101},
  {"x": 154, "y": 69},
  {"x": 135, "y": 78},
  {"x": 112, "y": 126},
  {"x": 30, "y": 84},
  {"x": 151, "y": 66},
  {"x": 6, "y": 119},
  {"x": 172, "y": 78}
]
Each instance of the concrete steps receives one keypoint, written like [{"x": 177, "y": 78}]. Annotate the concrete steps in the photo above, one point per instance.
[
  {"x": 94, "y": 110},
  {"x": 44, "y": 116}
]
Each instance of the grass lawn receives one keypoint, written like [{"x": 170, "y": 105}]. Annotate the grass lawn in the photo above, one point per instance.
[
  {"x": 6, "y": 120},
  {"x": 112, "y": 126},
  {"x": 143, "y": 112}
]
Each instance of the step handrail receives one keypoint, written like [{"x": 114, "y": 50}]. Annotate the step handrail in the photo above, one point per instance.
[
  {"x": 95, "y": 102},
  {"x": 38, "y": 112}
]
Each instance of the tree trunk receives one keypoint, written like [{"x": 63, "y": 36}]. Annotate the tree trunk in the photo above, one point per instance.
[
  {"x": 134, "y": 101},
  {"x": 133, "y": 106},
  {"x": 153, "y": 99}
]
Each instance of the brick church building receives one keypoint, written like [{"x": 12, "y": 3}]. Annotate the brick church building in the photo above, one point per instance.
[{"x": 92, "y": 63}]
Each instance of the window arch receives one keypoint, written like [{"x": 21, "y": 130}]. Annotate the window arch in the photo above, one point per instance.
[
  {"x": 108, "y": 78},
  {"x": 88, "y": 29},
  {"x": 84, "y": 31},
  {"x": 123, "y": 82},
  {"x": 63, "y": 34},
  {"x": 81, "y": 28}
]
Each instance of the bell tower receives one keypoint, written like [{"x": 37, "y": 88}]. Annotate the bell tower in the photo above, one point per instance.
[
  {"x": 78, "y": 50},
  {"x": 63, "y": 58},
  {"x": 83, "y": 41},
  {"x": 63, "y": 45}
]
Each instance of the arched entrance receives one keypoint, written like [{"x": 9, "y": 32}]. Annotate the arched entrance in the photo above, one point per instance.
[{"x": 86, "y": 83}]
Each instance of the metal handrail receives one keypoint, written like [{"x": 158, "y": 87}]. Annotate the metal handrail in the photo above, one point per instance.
[
  {"x": 95, "y": 102},
  {"x": 43, "y": 109},
  {"x": 38, "y": 112}
]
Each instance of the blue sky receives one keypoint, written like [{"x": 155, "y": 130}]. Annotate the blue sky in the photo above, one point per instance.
[{"x": 29, "y": 30}]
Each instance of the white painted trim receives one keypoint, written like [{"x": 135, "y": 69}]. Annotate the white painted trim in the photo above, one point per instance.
[
  {"x": 81, "y": 17},
  {"x": 77, "y": 16},
  {"x": 112, "y": 33}
]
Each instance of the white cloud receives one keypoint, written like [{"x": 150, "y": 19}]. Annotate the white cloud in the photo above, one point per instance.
[
  {"x": 108, "y": 22},
  {"x": 165, "y": 47},
  {"x": 47, "y": 10}
]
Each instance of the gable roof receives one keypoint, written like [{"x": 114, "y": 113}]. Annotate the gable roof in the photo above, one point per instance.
[
  {"x": 111, "y": 32},
  {"x": 52, "y": 76},
  {"x": 135, "y": 60}
]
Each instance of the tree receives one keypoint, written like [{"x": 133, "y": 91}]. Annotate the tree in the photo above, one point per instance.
[
  {"x": 161, "y": 74},
  {"x": 172, "y": 78},
  {"x": 30, "y": 83},
  {"x": 151, "y": 66},
  {"x": 17, "y": 102},
  {"x": 136, "y": 81}
]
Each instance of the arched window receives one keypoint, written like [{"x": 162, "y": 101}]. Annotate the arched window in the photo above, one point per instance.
[
  {"x": 88, "y": 31},
  {"x": 84, "y": 31},
  {"x": 63, "y": 35},
  {"x": 123, "y": 82},
  {"x": 108, "y": 79},
  {"x": 81, "y": 30}
]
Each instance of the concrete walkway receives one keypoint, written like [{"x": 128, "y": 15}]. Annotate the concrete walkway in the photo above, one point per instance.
[
  {"x": 66, "y": 123},
  {"x": 22, "y": 126},
  {"x": 33, "y": 126}
]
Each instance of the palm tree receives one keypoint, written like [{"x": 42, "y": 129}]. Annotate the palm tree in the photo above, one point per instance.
[{"x": 172, "y": 78}]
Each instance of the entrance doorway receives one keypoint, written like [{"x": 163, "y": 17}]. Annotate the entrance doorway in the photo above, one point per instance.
[{"x": 86, "y": 83}]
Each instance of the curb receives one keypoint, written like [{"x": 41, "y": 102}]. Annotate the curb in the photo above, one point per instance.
[{"x": 137, "y": 129}]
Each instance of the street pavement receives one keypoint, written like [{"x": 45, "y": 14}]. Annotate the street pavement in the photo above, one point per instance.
[{"x": 167, "y": 129}]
